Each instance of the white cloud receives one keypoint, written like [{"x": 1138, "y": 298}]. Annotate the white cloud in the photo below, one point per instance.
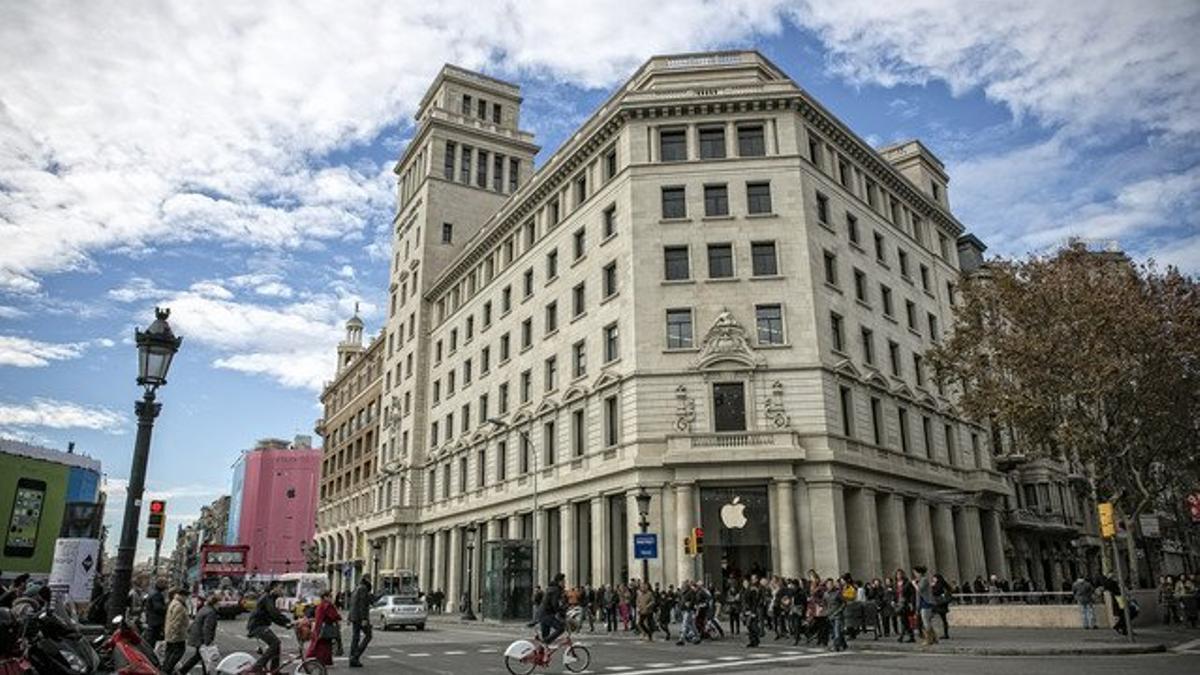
[
  {"x": 274, "y": 289},
  {"x": 136, "y": 289},
  {"x": 55, "y": 414},
  {"x": 124, "y": 126},
  {"x": 10, "y": 312},
  {"x": 25, "y": 353}
]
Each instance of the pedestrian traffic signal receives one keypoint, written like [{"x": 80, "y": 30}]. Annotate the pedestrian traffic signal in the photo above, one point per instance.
[
  {"x": 697, "y": 541},
  {"x": 158, "y": 519}
]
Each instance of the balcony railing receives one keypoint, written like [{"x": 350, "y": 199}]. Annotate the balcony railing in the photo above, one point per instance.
[
  {"x": 1046, "y": 520},
  {"x": 708, "y": 442}
]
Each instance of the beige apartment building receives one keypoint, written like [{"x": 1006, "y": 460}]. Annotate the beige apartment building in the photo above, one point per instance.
[
  {"x": 715, "y": 292},
  {"x": 349, "y": 428}
]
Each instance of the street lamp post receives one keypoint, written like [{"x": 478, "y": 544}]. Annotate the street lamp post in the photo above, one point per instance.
[
  {"x": 156, "y": 348},
  {"x": 376, "y": 546},
  {"x": 533, "y": 469},
  {"x": 643, "y": 507},
  {"x": 468, "y": 606}
]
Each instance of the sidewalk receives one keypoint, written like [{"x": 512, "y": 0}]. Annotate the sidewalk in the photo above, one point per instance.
[{"x": 1035, "y": 642}]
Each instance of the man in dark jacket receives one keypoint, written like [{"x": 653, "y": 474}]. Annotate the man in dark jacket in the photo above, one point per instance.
[
  {"x": 202, "y": 633},
  {"x": 360, "y": 621},
  {"x": 156, "y": 612},
  {"x": 552, "y": 607},
  {"x": 259, "y": 626}
]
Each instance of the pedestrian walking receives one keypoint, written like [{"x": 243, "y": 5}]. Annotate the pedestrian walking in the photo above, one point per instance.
[
  {"x": 751, "y": 601},
  {"x": 925, "y": 604},
  {"x": 942, "y": 596},
  {"x": 156, "y": 612},
  {"x": 733, "y": 603},
  {"x": 360, "y": 621},
  {"x": 1084, "y": 594},
  {"x": 325, "y": 631},
  {"x": 645, "y": 612},
  {"x": 835, "y": 594},
  {"x": 175, "y": 629},
  {"x": 202, "y": 635}
]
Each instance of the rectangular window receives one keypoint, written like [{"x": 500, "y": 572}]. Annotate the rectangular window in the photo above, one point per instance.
[
  {"x": 514, "y": 173},
  {"x": 933, "y": 328},
  {"x": 927, "y": 435},
  {"x": 679, "y": 329},
  {"x": 676, "y": 265},
  {"x": 528, "y": 282},
  {"x": 758, "y": 198},
  {"x": 526, "y": 454},
  {"x": 880, "y": 253},
  {"x": 530, "y": 234},
  {"x": 612, "y": 347},
  {"x": 485, "y": 360},
  {"x": 448, "y": 160},
  {"x": 672, "y": 145},
  {"x": 483, "y": 108},
  {"x": 554, "y": 213},
  {"x": 552, "y": 264},
  {"x": 951, "y": 296},
  {"x": 716, "y": 200},
  {"x": 751, "y": 141},
  {"x": 464, "y": 166},
  {"x": 868, "y": 346},
  {"x": 609, "y": 275},
  {"x": 610, "y": 221},
  {"x": 902, "y": 256},
  {"x": 831, "y": 273},
  {"x": 885, "y": 298},
  {"x": 551, "y": 317},
  {"x": 877, "y": 420},
  {"x": 453, "y": 340},
  {"x": 580, "y": 243},
  {"x": 502, "y": 403},
  {"x": 910, "y": 312},
  {"x": 579, "y": 359},
  {"x": 845, "y": 174},
  {"x": 729, "y": 406},
  {"x": 902, "y": 418},
  {"x": 894, "y": 357},
  {"x": 550, "y": 373},
  {"x": 712, "y": 142},
  {"x": 433, "y": 434},
  {"x": 466, "y": 104},
  {"x": 919, "y": 369},
  {"x": 852, "y": 228},
  {"x": 446, "y": 480},
  {"x": 481, "y": 468},
  {"x": 501, "y": 461},
  {"x": 549, "y": 443},
  {"x": 674, "y": 202},
  {"x": 581, "y": 190},
  {"x": 578, "y": 433},
  {"x": 860, "y": 286},
  {"x": 487, "y": 314},
  {"x": 466, "y": 373},
  {"x": 526, "y": 333},
  {"x": 847, "y": 401},
  {"x": 612, "y": 428},
  {"x": 466, "y": 417},
  {"x": 447, "y": 233},
  {"x": 951, "y": 444},
  {"x": 769, "y": 321},
  {"x": 822, "y": 209},
  {"x": 470, "y": 330},
  {"x": 506, "y": 300},
  {"x": 504, "y": 347},
  {"x": 720, "y": 261},
  {"x": 924, "y": 273},
  {"x": 526, "y": 386},
  {"x": 498, "y": 173},
  {"x": 481, "y": 163},
  {"x": 610, "y": 164},
  {"x": 763, "y": 259},
  {"x": 836, "y": 333},
  {"x": 578, "y": 300},
  {"x": 814, "y": 151}
]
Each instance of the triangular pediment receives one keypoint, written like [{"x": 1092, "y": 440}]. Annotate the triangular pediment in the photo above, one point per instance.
[
  {"x": 545, "y": 408},
  {"x": 846, "y": 369},
  {"x": 606, "y": 379},
  {"x": 576, "y": 392}
]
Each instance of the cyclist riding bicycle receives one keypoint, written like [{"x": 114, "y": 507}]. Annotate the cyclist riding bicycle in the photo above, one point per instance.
[
  {"x": 553, "y": 610},
  {"x": 259, "y": 626}
]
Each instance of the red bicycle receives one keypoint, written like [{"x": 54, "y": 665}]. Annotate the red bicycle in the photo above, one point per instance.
[{"x": 523, "y": 656}]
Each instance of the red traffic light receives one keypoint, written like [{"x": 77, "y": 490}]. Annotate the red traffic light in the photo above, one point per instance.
[
  {"x": 158, "y": 506},
  {"x": 699, "y": 531}
]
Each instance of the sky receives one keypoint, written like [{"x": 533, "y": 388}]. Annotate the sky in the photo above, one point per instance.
[{"x": 232, "y": 161}]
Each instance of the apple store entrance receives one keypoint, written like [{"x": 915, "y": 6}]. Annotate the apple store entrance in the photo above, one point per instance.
[{"x": 737, "y": 532}]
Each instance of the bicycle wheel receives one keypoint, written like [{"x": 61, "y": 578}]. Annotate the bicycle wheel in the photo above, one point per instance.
[
  {"x": 519, "y": 666},
  {"x": 582, "y": 658},
  {"x": 310, "y": 667}
]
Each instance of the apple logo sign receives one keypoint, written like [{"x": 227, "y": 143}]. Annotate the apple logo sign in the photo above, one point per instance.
[{"x": 733, "y": 514}]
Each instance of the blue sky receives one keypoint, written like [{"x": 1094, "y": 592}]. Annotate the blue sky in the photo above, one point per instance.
[{"x": 234, "y": 163}]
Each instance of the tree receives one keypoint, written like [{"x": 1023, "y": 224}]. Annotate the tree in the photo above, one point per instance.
[{"x": 1089, "y": 358}]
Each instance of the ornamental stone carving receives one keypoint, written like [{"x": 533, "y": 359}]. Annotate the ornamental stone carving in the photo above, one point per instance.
[
  {"x": 776, "y": 414},
  {"x": 726, "y": 342},
  {"x": 685, "y": 410}
]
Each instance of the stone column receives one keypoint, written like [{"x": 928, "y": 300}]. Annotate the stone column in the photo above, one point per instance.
[
  {"x": 685, "y": 517},
  {"x": 830, "y": 550},
  {"x": 920, "y": 534},
  {"x": 540, "y": 544},
  {"x": 804, "y": 525},
  {"x": 454, "y": 584},
  {"x": 969, "y": 532},
  {"x": 514, "y": 527},
  {"x": 668, "y": 554},
  {"x": 944, "y": 543},
  {"x": 599, "y": 541},
  {"x": 862, "y": 527},
  {"x": 437, "y": 579},
  {"x": 993, "y": 544},
  {"x": 893, "y": 531},
  {"x": 566, "y": 543},
  {"x": 493, "y": 530},
  {"x": 786, "y": 505}
]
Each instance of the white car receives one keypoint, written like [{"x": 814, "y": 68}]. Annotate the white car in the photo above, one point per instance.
[{"x": 398, "y": 610}]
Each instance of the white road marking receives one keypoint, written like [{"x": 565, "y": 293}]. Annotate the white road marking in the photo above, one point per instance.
[
  {"x": 658, "y": 665},
  {"x": 707, "y": 666},
  {"x": 488, "y": 651},
  {"x": 618, "y": 668},
  {"x": 454, "y": 653},
  {"x": 380, "y": 656},
  {"x": 729, "y": 658},
  {"x": 1187, "y": 646},
  {"x": 694, "y": 662},
  {"x": 420, "y": 654}
]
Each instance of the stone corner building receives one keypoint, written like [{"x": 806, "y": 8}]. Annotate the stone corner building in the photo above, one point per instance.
[{"x": 714, "y": 291}]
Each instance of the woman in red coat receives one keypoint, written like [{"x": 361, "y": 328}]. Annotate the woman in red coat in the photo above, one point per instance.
[{"x": 321, "y": 646}]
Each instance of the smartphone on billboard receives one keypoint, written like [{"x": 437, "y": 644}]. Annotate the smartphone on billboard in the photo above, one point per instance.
[{"x": 21, "y": 539}]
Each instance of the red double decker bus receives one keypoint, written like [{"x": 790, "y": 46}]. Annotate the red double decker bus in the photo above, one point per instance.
[{"x": 223, "y": 571}]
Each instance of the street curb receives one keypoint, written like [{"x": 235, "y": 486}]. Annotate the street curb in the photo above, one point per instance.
[{"x": 1108, "y": 650}]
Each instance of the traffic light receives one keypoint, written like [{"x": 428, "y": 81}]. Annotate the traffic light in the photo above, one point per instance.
[
  {"x": 697, "y": 541},
  {"x": 688, "y": 549},
  {"x": 158, "y": 519}
]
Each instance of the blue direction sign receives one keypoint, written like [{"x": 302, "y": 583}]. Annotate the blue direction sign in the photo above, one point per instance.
[{"x": 645, "y": 546}]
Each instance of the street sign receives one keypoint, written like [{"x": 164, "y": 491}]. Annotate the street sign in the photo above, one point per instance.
[
  {"x": 1150, "y": 525},
  {"x": 74, "y": 568},
  {"x": 645, "y": 546}
]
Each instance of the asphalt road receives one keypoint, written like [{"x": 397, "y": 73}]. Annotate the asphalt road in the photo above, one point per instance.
[{"x": 478, "y": 650}]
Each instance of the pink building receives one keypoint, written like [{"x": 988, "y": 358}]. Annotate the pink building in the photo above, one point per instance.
[{"x": 274, "y": 505}]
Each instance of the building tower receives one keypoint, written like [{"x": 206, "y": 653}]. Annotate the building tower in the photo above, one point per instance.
[{"x": 352, "y": 345}]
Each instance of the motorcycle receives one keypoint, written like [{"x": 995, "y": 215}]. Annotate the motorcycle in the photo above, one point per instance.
[
  {"x": 53, "y": 645},
  {"x": 125, "y": 652}
]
